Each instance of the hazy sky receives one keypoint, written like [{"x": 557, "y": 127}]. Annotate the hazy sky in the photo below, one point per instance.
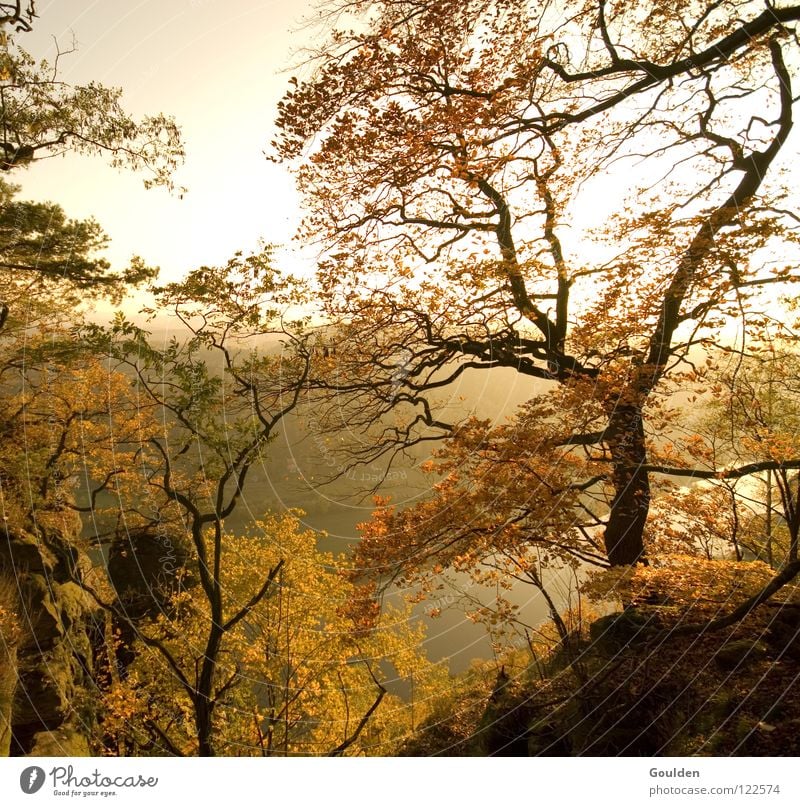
[{"x": 219, "y": 68}]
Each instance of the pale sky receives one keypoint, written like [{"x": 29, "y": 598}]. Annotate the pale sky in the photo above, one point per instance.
[{"x": 219, "y": 68}]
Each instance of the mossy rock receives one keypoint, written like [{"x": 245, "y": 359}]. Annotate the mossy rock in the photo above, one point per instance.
[
  {"x": 63, "y": 741},
  {"x": 56, "y": 661},
  {"x": 610, "y": 634},
  {"x": 73, "y": 603},
  {"x": 503, "y": 727},
  {"x": 741, "y": 653},
  {"x": 46, "y": 625}
]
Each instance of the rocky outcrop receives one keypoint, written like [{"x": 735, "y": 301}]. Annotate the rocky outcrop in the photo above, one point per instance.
[
  {"x": 636, "y": 687},
  {"x": 10, "y": 635},
  {"x": 52, "y": 704},
  {"x": 503, "y": 727},
  {"x": 66, "y": 740},
  {"x": 146, "y": 568}
]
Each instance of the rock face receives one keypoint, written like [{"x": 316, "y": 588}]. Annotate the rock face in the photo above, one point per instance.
[
  {"x": 8, "y": 675},
  {"x": 51, "y": 711},
  {"x": 145, "y": 568}
]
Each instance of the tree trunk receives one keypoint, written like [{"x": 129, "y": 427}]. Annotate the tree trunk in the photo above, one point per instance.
[
  {"x": 793, "y": 517},
  {"x": 204, "y": 699},
  {"x": 203, "y": 708},
  {"x": 624, "y": 535}
]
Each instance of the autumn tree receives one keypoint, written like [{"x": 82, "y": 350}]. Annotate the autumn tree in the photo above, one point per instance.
[
  {"x": 51, "y": 386},
  {"x": 307, "y": 679},
  {"x": 447, "y": 152},
  {"x": 64, "y": 417},
  {"x": 219, "y": 400},
  {"x": 735, "y": 461},
  {"x": 248, "y": 642}
]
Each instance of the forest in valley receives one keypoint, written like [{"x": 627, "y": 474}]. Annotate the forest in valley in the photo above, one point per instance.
[{"x": 509, "y": 467}]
